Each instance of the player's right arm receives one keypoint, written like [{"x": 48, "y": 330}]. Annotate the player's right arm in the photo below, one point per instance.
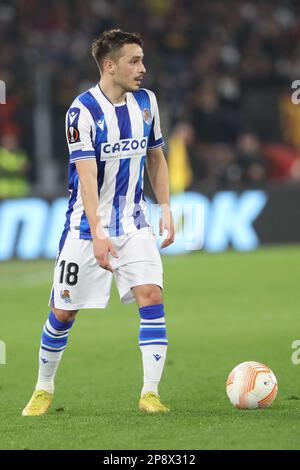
[
  {"x": 79, "y": 126},
  {"x": 102, "y": 245}
]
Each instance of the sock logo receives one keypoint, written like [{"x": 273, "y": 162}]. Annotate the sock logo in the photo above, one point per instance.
[
  {"x": 44, "y": 361},
  {"x": 157, "y": 357}
]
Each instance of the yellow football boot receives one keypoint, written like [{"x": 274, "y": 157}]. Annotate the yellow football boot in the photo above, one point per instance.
[
  {"x": 38, "y": 404},
  {"x": 151, "y": 403}
]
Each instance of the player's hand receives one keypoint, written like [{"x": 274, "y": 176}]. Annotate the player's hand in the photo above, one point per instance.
[
  {"x": 102, "y": 248},
  {"x": 166, "y": 222}
]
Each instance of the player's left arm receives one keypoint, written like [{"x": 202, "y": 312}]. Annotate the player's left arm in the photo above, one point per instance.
[{"x": 159, "y": 177}]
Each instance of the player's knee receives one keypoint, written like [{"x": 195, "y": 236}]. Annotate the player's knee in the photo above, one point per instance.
[
  {"x": 151, "y": 295},
  {"x": 64, "y": 315}
]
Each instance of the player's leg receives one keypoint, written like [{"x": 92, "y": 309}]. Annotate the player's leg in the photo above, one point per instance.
[
  {"x": 138, "y": 275},
  {"x": 53, "y": 343},
  {"x": 77, "y": 277},
  {"x": 153, "y": 343}
]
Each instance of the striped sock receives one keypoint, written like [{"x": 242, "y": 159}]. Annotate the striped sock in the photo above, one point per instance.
[
  {"x": 153, "y": 343},
  {"x": 53, "y": 343}
]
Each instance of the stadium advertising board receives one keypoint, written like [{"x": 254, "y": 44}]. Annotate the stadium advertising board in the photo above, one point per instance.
[{"x": 31, "y": 227}]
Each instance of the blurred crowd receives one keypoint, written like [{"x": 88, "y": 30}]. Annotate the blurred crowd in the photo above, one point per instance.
[{"x": 222, "y": 71}]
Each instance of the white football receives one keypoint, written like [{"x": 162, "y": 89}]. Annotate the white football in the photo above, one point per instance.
[{"x": 251, "y": 385}]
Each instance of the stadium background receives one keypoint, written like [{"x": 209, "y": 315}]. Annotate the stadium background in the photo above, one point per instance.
[{"x": 224, "y": 74}]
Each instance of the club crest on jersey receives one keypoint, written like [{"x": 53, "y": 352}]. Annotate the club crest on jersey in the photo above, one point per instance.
[
  {"x": 73, "y": 135},
  {"x": 65, "y": 295},
  {"x": 125, "y": 148},
  {"x": 147, "y": 116}
]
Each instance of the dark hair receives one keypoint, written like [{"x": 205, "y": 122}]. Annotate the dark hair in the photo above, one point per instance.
[{"x": 111, "y": 41}]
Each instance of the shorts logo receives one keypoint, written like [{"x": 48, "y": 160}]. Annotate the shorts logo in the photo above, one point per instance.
[
  {"x": 147, "y": 116},
  {"x": 65, "y": 295},
  {"x": 125, "y": 148},
  {"x": 73, "y": 135}
]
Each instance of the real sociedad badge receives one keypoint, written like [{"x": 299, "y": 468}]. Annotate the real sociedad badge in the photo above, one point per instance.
[
  {"x": 147, "y": 116},
  {"x": 65, "y": 295}
]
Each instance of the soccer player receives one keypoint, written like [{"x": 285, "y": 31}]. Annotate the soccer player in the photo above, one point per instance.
[{"x": 112, "y": 129}]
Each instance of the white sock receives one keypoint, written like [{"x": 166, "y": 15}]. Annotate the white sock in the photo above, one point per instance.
[
  {"x": 153, "y": 344},
  {"x": 53, "y": 343},
  {"x": 154, "y": 357},
  {"x": 48, "y": 365}
]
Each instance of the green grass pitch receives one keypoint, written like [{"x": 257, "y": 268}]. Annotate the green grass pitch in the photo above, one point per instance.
[{"x": 221, "y": 309}]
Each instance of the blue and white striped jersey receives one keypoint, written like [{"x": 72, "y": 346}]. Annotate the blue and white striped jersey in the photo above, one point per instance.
[{"x": 118, "y": 137}]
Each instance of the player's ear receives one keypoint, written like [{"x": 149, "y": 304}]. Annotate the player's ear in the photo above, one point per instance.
[{"x": 109, "y": 65}]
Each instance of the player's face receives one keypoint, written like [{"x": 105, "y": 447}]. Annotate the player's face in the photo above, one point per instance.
[{"x": 129, "y": 68}]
